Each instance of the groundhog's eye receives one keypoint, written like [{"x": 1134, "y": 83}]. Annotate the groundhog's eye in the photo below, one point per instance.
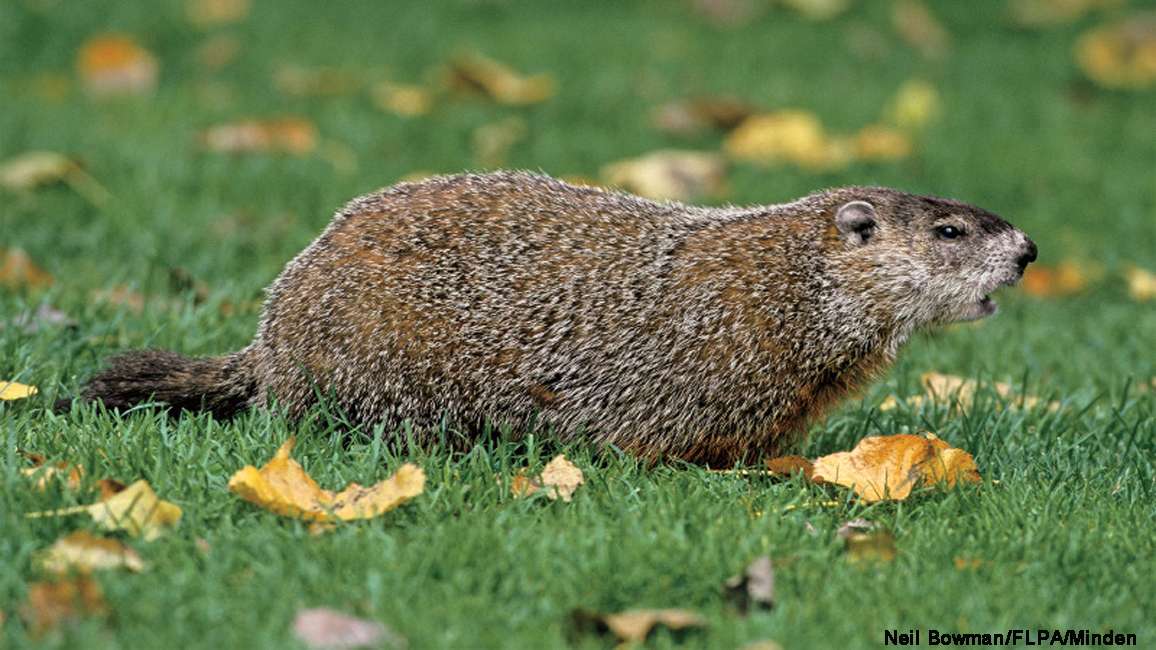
[{"x": 949, "y": 233}]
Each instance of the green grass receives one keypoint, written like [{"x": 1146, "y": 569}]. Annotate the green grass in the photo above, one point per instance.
[{"x": 1064, "y": 537}]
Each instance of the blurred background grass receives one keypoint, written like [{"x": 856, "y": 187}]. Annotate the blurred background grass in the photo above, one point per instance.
[{"x": 1021, "y": 130}]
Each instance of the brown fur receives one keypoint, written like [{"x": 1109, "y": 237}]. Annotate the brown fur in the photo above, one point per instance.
[{"x": 706, "y": 334}]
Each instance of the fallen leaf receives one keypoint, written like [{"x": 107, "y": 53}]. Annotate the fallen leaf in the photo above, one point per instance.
[
  {"x": 13, "y": 390},
  {"x": 727, "y": 13},
  {"x": 867, "y": 541},
  {"x": 878, "y": 143},
  {"x": 1046, "y": 13},
  {"x": 890, "y": 467},
  {"x": 36, "y": 168},
  {"x": 694, "y": 116},
  {"x": 477, "y": 74},
  {"x": 114, "y": 64},
  {"x": 402, "y": 99},
  {"x": 1063, "y": 279},
  {"x": 33, "y": 322},
  {"x": 218, "y": 51},
  {"x": 42, "y": 474},
  {"x": 135, "y": 510},
  {"x": 919, "y": 27},
  {"x": 1121, "y": 55},
  {"x": 329, "y": 628},
  {"x": 915, "y": 105},
  {"x": 284, "y": 487},
  {"x": 492, "y": 142},
  {"x": 792, "y": 136},
  {"x": 817, "y": 9},
  {"x": 670, "y": 175},
  {"x": 64, "y": 600},
  {"x": 787, "y": 466},
  {"x": 209, "y": 13},
  {"x": 82, "y": 549},
  {"x": 301, "y": 81},
  {"x": 960, "y": 393},
  {"x": 121, "y": 296},
  {"x": 291, "y": 134},
  {"x": 18, "y": 271},
  {"x": 634, "y": 626},
  {"x": 755, "y": 586},
  {"x": 1141, "y": 283},
  {"x": 560, "y": 478},
  {"x": 969, "y": 564}
]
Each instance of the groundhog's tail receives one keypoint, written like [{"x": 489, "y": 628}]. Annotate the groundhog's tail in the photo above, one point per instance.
[{"x": 221, "y": 385}]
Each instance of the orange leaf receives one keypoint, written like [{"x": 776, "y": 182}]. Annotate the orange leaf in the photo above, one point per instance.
[
  {"x": 284, "y": 487},
  {"x": 787, "y": 466},
  {"x": 64, "y": 600},
  {"x": 113, "y": 64},
  {"x": 890, "y": 467},
  {"x": 291, "y": 134},
  {"x": 18, "y": 271},
  {"x": 70, "y": 474},
  {"x": 1063, "y": 279}
]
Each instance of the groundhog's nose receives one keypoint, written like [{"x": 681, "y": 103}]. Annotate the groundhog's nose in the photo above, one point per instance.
[{"x": 1027, "y": 255}]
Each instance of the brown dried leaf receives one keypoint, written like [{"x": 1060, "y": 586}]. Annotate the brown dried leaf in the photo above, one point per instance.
[
  {"x": 209, "y": 13},
  {"x": 1121, "y": 55},
  {"x": 756, "y": 586},
  {"x": 670, "y": 175},
  {"x": 329, "y": 628},
  {"x": 284, "y": 487},
  {"x": 70, "y": 474},
  {"x": 62, "y": 601},
  {"x": 18, "y": 271},
  {"x": 114, "y": 64},
  {"x": 560, "y": 478},
  {"x": 890, "y": 467},
  {"x": 1046, "y": 13},
  {"x": 918, "y": 26},
  {"x": 82, "y": 549},
  {"x": 787, "y": 466},
  {"x": 477, "y": 74},
  {"x": 291, "y": 134}
]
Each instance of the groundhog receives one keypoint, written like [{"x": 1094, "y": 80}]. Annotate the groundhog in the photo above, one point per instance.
[{"x": 511, "y": 300}]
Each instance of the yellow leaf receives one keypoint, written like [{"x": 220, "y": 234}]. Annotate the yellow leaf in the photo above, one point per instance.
[
  {"x": 113, "y": 64},
  {"x": 135, "y": 510},
  {"x": 284, "y": 487},
  {"x": 401, "y": 99},
  {"x": 915, "y": 105},
  {"x": 880, "y": 143},
  {"x": 818, "y": 9},
  {"x": 42, "y": 474},
  {"x": 633, "y": 626},
  {"x": 478, "y": 74},
  {"x": 11, "y": 390},
  {"x": 1122, "y": 55},
  {"x": 670, "y": 175},
  {"x": 82, "y": 549},
  {"x": 206, "y": 13},
  {"x": 560, "y": 477},
  {"x": 890, "y": 467},
  {"x": 1141, "y": 283}
]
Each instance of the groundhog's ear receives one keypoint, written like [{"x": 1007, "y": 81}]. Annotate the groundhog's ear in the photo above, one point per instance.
[{"x": 856, "y": 220}]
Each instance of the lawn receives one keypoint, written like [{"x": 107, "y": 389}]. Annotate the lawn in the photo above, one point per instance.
[{"x": 153, "y": 238}]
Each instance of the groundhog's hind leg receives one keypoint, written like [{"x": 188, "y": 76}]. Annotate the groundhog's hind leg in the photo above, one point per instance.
[{"x": 220, "y": 385}]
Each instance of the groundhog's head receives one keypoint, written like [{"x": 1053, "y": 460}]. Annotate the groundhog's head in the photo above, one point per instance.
[{"x": 939, "y": 258}]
